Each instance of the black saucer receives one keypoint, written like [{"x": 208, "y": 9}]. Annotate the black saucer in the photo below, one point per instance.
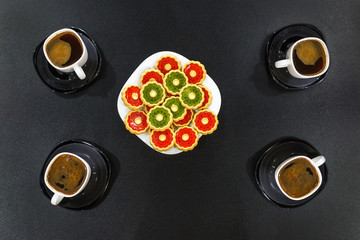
[
  {"x": 276, "y": 49},
  {"x": 69, "y": 82},
  {"x": 273, "y": 156},
  {"x": 94, "y": 191}
]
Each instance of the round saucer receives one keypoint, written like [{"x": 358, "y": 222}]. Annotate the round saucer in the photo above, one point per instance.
[
  {"x": 69, "y": 82},
  {"x": 273, "y": 157},
  {"x": 92, "y": 194},
  {"x": 276, "y": 50}
]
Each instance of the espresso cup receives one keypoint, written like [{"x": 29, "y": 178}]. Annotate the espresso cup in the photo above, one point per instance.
[
  {"x": 299, "y": 177},
  {"x": 66, "y": 51},
  {"x": 66, "y": 176},
  {"x": 306, "y": 58}
]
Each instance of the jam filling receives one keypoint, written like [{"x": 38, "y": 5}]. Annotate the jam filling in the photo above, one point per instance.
[{"x": 137, "y": 121}]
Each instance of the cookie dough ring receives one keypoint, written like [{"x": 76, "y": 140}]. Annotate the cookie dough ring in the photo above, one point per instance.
[
  {"x": 186, "y": 120},
  {"x": 207, "y": 97},
  {"x": 176, "y": 108},
  {"x": 162, "y": 140},
  {"x": 186, "y": 138},
  {"x": 159, "y": 118},
  {"x": 167, "y": 63},
  {"x": 152, "y": 75},
  {"x": 191, "y": 96},
  {"x": 131, "y": 97},
  {"x": 195, "y": 72},
  {"x": 205, "y": 122},
  {"x": 152, "y": 94},
  {"x": 147, "y": 108},
  {"x": 174, "y": 81},
  {"x": 136, "y": 122}
]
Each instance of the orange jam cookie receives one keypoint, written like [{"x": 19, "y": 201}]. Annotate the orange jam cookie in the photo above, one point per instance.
[
  {"x": 207, "y": 97},
  {"x": 136, "y": 122},
  {"x": 186, "y": 138},
  {"x": 167, "y": 63},
  {"x": 162, "y": 140},
  {"x": 131, "y": 97},
  {"x": 186, "y": 120},
  {"x": 195, "y": 72},
  {"x": 151, "y": 75},
  {"x": 205, "y": 122}
]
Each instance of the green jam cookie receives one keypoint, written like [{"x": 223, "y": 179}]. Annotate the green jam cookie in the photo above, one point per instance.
[
  {"x": 174, "y": 81},
  {"x": 159, "y": 118},
  {"x": 192, "y": 96},
  {"x": 176, "y": 108},
  {"x": 152, "y": 94}
]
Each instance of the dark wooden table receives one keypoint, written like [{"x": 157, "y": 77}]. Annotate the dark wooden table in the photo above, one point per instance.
[{"x": 210, "y": 192}]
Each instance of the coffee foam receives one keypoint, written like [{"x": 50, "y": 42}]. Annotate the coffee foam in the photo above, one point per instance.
[
  {"x": 59, "y": 52},
  {"x": 308, "y": 52}
]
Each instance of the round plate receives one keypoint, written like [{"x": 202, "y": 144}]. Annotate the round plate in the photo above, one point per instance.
[
  {"x": 149, "y": 63},
  {"x": 276, "y": 50},
  {"x": 273, "y": 157},
  {"x": 92, "y": 194},
  {"x": 69, "y": 82}
]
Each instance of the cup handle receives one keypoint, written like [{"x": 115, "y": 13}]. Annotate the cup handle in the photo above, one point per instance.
[
  {"x": 319, "y": 160},
  {"x": 282, "y": 63},
  {"x": 79, "y": 72},
  {"x": 56, "y": 199}
]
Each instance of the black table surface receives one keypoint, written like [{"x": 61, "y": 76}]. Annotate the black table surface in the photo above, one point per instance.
[{"x": 207, "y": 193}]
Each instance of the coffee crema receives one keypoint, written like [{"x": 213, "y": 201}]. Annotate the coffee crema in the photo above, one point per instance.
[
  {"x": 64, "y": 49},
  {"x": 67, "y": 174},
  {"x": 309, "y": 57},
  {"x": 298, "y": 178}
]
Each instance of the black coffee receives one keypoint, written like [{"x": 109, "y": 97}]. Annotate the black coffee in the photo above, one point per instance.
[
  {"x": 67, "y": 174},
  {"x": 309, "y": 57},
  {"x": 64, "y": 49},
  {"x": 298, "y": 178}
]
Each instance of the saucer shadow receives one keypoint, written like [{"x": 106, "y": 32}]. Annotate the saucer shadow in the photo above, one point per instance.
[
  {"x": 253, "y": 160},
  {"x": 115, "y": 171},
  {"x": 106, "y": 79},
  {"x": 261, "y": 76}
]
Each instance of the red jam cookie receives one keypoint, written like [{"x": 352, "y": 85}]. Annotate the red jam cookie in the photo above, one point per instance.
[
  {"x": 162, "y": 140},
  {"x": 151, "y": 75},
  {"x": 195, "y": 72},
  {"x": 186, "y": 138},
  {"x": 136, "y": 122},
  {"x": 205, "y": 122},
  {"x": 167, "y": 63},
  {"x": 131, "y": 97},
  {"x": 186, "y": 120},
  {"x": 207, "y": 97}
]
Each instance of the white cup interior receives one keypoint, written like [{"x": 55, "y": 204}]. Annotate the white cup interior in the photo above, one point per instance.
[
  {"x": 55, "y": 34},
  {"x": 289, "y": 160},
  {"x": 325, "y": 49},
  {"x": 61, "y": 194}
]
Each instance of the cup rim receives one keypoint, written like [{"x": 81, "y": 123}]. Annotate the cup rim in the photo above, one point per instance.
[
  {"x": 284, "y": 163},
  {"x": 47, "y": 40},
  {"x": 88, "y": 173},
  {"x": 291, "y": 49}
]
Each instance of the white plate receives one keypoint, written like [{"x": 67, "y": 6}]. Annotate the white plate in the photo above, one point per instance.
[{"x": 149, "y": 63}]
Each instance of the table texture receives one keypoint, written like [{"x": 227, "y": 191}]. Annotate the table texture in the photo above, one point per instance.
[{"x": 207, "y": 193}]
